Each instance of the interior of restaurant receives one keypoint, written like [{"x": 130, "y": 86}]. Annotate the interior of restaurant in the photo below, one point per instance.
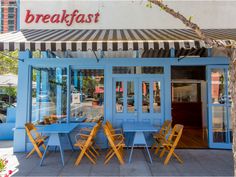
[{"x": 189, "y": 105}]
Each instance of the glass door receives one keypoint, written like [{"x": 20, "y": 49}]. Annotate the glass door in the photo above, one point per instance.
[
  {"x": 219, "y": 105},
  {"x": 151, "y": 101},
  {"x": 125, "y": 100}
]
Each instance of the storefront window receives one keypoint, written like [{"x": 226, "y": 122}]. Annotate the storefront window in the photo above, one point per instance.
[
  {"x": 218, "y": 86},
  {"x": 130, "y": 96},
  {"x": 156, "y": 97},
  {"x": 87, "y": 95},
  {"x": 49, "y": 93},
  {"x": 119, "y": 96},
  {"x": 145, "y": 97},
  {"x": 137, "y": 70}
]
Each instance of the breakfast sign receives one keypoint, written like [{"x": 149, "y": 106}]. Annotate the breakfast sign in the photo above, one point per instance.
[{"x": 68, "y": 18}]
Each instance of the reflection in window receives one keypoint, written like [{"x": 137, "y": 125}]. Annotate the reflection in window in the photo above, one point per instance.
[
  {"x": 49, "y": 93},
  {"x": 156, "y": 97},
  {"x": 219, "y": 124},
  {"x": 130, "y": 96},
  {"x": 145, "y": 97},
  {"x": 119, "y": 97},
  {"x": 218, "y": 86},
  {"x": 87, "y": 95}
]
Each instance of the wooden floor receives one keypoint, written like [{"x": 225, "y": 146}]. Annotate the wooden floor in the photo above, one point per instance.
[{"x": 193, "y": 138}]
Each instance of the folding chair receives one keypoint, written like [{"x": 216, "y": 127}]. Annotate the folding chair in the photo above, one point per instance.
[
  {"x": 36, "y": 139},
  {"x": 87, "y": 130},
  {"x": 165, "y": 128},
  {"x": 116, "y": 146},
  {"x": 85, "y": 145},
  {"x": 170, "y": 144}
]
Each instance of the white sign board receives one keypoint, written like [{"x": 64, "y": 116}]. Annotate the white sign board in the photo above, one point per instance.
[{"x": 129, "y": 14}]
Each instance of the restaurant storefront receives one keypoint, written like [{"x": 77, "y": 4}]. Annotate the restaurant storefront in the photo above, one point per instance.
[{"x": 76, "y": 61}]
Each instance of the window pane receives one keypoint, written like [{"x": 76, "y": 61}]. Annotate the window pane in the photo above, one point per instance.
[
  {"x": 156, "y": 97},
  {"x": 49, "y": 93},
  {"x": 219, "y": 124},
  {"x": 87, "y": 95},
  {"x": 145, "y": 97},
  {"x": 119, "y": 97},
  {"x": 137, "y": 70},
  {"x": 218, "y": 86},
  {"x": 130, "y": 96}
]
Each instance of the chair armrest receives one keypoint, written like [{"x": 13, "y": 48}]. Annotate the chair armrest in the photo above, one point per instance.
[{"x": 81, "y": 135}]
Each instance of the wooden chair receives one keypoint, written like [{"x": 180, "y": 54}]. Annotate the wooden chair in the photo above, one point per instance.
[
  {"x": 116, "y": 146},
  {"x": 85, "y": 145},
  {"x": 170, "y": 144},
  {"x": 165, "y": 128},
  {"x": 36, "y": 139},
  {"x": 87, "y": 131}
]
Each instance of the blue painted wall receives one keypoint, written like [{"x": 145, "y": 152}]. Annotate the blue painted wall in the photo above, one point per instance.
[{"x": 24, "y": 86}]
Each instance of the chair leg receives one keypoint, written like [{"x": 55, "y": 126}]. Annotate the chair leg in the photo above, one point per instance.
[
  {"x": 178, "y": 158},
  {"x": 168, "y": 156},
  {"x": 162, "y": 152},
  {"x": 79, "y": 158},
  {"x": 158, "y": 148},
  {"x": 90, "y": 158},
  {"x": 109, "y": 158},
  {"x": 38, "y": 151},
  {"x": 30, "y": 153},
  {"x": 95, "y": 150}
]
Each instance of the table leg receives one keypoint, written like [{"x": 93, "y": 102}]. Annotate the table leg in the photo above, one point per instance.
[
  {"x": 148, "y": 153},
  {"x": 69, "y": 139},
  {"x": 54, "y": 140},
  {"x": 131, "y": 152},
  {"x": 62, "y": 155},
  {"x": 44, "y": 154},
  {"x": 139, "y": 139}
]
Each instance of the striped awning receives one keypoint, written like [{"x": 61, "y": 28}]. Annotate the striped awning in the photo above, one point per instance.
[{"x": 84, "y": 40}]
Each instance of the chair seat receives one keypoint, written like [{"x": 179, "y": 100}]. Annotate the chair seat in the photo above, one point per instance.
[
  {"x": 158, "y": 136},
  {"x": 81, "y": 142}
]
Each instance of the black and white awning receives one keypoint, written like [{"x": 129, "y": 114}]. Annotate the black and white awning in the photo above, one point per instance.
[{"x": 125, "y": 39}]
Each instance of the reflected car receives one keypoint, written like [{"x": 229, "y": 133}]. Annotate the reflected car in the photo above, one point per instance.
[{"x": 222, "y": 99}]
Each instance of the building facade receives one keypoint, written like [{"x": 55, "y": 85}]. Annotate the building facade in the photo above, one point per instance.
[
  {"x": 8, "y": 16},
  {"x": 122, "y": 61}
]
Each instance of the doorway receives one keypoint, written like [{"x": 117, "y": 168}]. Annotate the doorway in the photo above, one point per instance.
[{"x": 189, "y": 105}]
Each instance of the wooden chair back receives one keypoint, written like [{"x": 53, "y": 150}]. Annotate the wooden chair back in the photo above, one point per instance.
[
  {"x": 31, "y": 132},
  {"x": 175, "y": 134}
]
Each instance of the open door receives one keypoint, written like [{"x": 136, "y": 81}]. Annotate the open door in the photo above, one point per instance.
[{"x": 219, "y": 105}]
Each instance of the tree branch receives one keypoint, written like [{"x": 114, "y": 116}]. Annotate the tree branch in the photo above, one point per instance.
[{"x": 211, "y": 42}]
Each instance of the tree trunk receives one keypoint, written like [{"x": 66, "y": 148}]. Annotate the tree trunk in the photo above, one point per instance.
[{"x": 232, "y": 89}]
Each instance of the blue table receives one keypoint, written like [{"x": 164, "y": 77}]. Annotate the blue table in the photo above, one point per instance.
[
  {"x": 54, "y": 131},
  {"x": 138, "y": 128}
]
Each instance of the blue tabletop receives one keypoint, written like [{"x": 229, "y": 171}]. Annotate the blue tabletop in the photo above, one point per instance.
[
  {"x": 58, "y": 128},
  {"x": 139, "y": 127}
]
